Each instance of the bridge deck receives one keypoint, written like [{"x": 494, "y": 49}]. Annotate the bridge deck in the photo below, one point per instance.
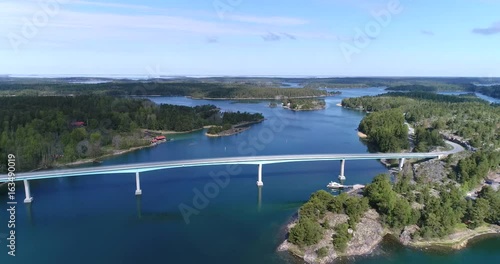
[{"x": 253, "y": 160}]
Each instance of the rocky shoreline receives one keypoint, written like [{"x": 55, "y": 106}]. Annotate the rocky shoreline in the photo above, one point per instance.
[
  {"x": 236, "y": 129},
  {"x": 370, "y": 233},
  {"x": 366, "y": 238}
]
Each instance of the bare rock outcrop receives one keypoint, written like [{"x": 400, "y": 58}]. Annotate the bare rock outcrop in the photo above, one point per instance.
[{"x": 368, "y": 234}]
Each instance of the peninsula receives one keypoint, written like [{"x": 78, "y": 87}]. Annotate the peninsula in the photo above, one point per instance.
[{"x": 55, "y": 131}]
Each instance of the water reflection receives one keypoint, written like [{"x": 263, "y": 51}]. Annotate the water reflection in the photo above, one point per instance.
[
  {"x": 29, "y": 214},
  {"x": 259, "y": 202},
  {"x": 139, "y": 206}
]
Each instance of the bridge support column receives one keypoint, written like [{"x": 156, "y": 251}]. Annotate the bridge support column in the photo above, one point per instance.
[
  {"x": 28, "y": 199},
  {"x": 259, "y": 180},
  {"x": 342, "y": 167},
  {"x": 138, "y": 190},
  {"x": 401, "y": 163}
]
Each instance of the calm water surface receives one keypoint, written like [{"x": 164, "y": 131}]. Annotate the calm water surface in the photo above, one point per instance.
[{"x": 98, "y": 219}]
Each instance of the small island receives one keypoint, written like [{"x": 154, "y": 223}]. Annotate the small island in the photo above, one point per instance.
[
  {"x": 304, "y": 104},
  {"x": 234, "y": 123}
]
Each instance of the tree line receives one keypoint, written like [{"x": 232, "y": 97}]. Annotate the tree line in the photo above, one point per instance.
[
  {"x": 44, "y": 130},
  {"x": 193, "y": 89},
  {"x": 386, "y": 130},
  {"x": 470, "y": 118},
  {"x": 308, "y": 230}
]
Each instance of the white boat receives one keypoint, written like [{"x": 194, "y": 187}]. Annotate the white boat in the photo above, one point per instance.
[{"x": 334, "y": 185}]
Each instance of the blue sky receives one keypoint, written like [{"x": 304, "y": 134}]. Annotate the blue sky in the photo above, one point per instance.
[{"x": 251, "y": 37}]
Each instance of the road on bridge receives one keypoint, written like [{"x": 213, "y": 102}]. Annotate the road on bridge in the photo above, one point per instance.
[{"x": 252, "y": 160}]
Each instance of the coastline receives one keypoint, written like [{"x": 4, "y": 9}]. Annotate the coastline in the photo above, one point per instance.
[
  {"x": 124, "y": 151},
  {"x": 115, "y": 153},
  {"x": 236, "y": 129},
  {"x": 365, "y": 245},
  {"x": 258, "y": 98},
  {"x": 458, "y": 240},
  {"x": 169, "y": 132},
  {"x": 227, "y": 132},
  {"x": 303, "y": 110},
  {"x": 362, "y": 135}
]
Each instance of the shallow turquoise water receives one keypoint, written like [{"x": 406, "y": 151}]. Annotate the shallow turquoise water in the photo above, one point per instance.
[{"x": 98, "y": 219}]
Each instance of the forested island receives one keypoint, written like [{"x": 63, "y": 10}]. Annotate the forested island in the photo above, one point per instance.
[
  {"x": 193, "y": 89},
  {"x": 489, "y": 90},
  {"x": 45, "y": 131},
  {"x": 234, "y": 123},
  {"x": 434, "y": 203},
  {"x": 304, "y": 104},
  {"x": 239, "y": 87}
]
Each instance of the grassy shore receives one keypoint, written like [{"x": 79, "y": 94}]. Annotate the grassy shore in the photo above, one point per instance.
[{"x": 115, "y": 152}]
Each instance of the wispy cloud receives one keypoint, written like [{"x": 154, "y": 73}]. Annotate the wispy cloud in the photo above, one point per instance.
[
  {"x": 289, "y": 36},
  {"x": 427, "y": 32},
  {"x": 108, "y": 4},
  {"x": 271, "y": 37},
  {"x": 212, "y": 40},
  {"x": 493, "y": 29}
]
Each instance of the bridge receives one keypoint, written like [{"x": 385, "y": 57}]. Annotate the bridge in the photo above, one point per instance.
[{"x": 252, "y": 160}]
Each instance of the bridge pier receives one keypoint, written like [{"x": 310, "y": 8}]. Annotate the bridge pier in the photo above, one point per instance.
[
  {"x": 342, "y": 167},
  {"x": 28, "y": 199},
  {"x": 138, "y": 190},
  {"x": 259, "y": 180},
  {"x": 401, "y": 163}
]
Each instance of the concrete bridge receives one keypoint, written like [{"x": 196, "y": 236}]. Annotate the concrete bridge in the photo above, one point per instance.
[{"x": 253, "y": 160}]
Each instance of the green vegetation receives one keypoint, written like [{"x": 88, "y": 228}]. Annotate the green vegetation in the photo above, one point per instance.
[
  {"x": 425, "y": 139},
  {"x": 217, "y": 129},
  {"x": 195, "y": 89},
  {"x": 492, "y": 91},
  {"x": 306, "y": 233},
  {"x": 322, "y": 252},
  {"x": 43, "y": 130},
  {"x": 412, "y": 88},
  {"x": 305, "y": 104},
  {"x": 443, "y": 206},
  {"x": 341, "y": 237},
  {"x": 240, "y": 117},
  {"x": 471, "y": 170},
  {"x": 492, "y": 215},
  {"x": 386, "y": 130},
  {"x": 465, "y": 116},
  {"x": 395, "y": 212},
  {"x": 437, "y": 208}
]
